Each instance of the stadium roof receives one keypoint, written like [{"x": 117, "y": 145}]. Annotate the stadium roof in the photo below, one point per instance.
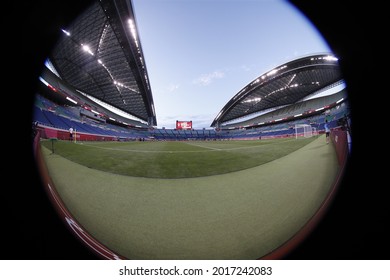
[
  {"x": 283, "y": 85},
  {"x": 100, "y": 55}
]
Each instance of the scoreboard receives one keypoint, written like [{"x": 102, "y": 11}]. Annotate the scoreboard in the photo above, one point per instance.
[{"x": 183, "y": 125}]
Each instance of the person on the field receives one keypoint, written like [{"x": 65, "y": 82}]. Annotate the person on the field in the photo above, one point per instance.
[
  {"x": 327, "y": 131},
  {"x": 70, "y": 134}
]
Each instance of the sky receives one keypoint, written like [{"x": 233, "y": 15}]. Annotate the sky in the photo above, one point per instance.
[{"x": 200, "y": 53}]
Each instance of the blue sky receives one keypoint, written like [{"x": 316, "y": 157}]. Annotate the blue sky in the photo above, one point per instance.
[{"x": 200, "y": 53}]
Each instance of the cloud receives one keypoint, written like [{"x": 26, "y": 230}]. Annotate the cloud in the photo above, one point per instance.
[
  {"x": 206, "y": 79},
  {"x": 172, "y": 87}
]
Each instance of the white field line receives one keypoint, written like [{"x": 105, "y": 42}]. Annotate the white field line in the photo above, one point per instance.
[{"x": 205, "y": 147}]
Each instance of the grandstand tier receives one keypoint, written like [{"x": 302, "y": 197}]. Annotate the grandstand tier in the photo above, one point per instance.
[{"x": 50, "y": 116}]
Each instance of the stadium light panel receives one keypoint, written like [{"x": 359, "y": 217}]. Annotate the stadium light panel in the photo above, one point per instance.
[
  {"x": 255, "y": 82},
  {"x": 256, "y": 99},
  {"x": 44, "y": 81},
  {"x": 51, "y": 67},
  {"x": 331, "y": 58},
  {"x": 47, "y": 84},
  {"x": 66, "y": 32},
  {"x": 71, "y": 100},
  {"x": 272, "y": 72},
  {"x": 87, "y": 49},
  {"x": 132, "y": 29}
]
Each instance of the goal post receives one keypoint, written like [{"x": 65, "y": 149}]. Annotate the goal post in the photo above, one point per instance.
[
  {"x": 303, "y": 131},
  {"x": 74, "y": 136}
]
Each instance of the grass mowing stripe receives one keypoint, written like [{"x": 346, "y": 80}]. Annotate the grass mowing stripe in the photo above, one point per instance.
[
  {"x": 205, "y": 148},
  {"x": 175, "y": 159},
  {"x": 149, "y": 151}
]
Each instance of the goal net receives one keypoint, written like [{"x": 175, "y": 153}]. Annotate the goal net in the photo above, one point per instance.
[{"x": 303, "y": 131}]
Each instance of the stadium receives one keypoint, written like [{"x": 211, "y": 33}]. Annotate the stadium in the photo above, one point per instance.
[{"x": 251, "y": 186}]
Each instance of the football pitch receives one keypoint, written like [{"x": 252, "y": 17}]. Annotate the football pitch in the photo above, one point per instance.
[
  {"x": 195, "y": 199},
  {"x": 174, "y": 159}
]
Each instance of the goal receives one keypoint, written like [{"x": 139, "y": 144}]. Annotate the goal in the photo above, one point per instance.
[{"x": 303, "y": 130}]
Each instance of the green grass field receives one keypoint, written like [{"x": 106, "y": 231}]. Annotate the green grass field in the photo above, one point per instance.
[
  {"x": 202, "y": 200},
  {"x": 175, "y": 159}
]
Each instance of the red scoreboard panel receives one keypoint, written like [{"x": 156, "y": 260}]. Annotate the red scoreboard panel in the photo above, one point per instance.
[{"x": 183, "y": 125}]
